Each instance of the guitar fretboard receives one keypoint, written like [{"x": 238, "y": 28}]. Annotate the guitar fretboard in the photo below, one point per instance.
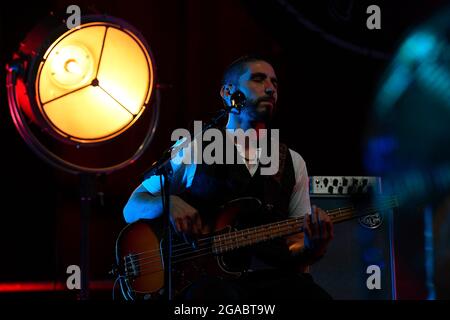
[{"x": 247, "y": 237}]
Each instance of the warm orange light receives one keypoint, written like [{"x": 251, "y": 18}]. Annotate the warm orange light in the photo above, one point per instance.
[
  {"x": 70, "y": 67},
  {"x": 83, "y": 86},
  {"x": 94, "y": 82}
]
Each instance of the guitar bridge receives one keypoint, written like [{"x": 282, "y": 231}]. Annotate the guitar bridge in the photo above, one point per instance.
[{"x": 131, "y": 264}]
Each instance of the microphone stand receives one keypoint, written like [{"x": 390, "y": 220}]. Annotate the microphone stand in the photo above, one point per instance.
[{"x": 163, "y": 168}]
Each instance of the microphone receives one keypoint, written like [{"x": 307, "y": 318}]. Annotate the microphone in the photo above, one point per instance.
[{"x": 238, "y": 100}]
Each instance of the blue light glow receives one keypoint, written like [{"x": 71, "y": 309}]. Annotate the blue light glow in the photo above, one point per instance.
[{"x": 429, "y": 252}]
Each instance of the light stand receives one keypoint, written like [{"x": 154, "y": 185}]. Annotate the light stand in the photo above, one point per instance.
[{"x": 27, "y": 76}]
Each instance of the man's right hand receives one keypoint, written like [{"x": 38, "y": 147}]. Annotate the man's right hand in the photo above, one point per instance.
[{"x": 185, "y": 218}]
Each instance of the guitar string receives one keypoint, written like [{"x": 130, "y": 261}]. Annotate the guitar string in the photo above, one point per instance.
[
  {"x": 227, "y": 237},
  {"x": 209, "y": 238},
  {"x": 185, "y": 246},
  {"x": 230, "y": 240},
  {"x": 149, "y": 271},
  {"x": 221, "y": 246},
  {"x": 230, "y": 243}
]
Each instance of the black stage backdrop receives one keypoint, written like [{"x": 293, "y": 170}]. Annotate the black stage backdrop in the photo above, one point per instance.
[{"x": 328, "y": 64}]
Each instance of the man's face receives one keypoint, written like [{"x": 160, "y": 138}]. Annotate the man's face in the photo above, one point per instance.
[{"x": 259, "y": 84}]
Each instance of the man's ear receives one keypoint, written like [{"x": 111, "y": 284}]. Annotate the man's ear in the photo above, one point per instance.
[
  {"x": 222, "y": 92},
  {"x": 226, "y": 91}
]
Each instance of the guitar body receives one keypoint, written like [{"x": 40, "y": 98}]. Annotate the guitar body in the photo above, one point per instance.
[
  {"x": 136, "y": 283},
  {"x": 140, "y": 252}
]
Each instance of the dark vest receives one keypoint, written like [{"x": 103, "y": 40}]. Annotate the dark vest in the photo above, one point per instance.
[{"x": 216, "y": 184}]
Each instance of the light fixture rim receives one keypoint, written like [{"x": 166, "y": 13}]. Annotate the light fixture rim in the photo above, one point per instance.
[{"x": 58, "y": 34}]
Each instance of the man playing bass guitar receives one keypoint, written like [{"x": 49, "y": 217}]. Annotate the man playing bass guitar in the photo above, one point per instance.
[{"x": 277, "y": 269}]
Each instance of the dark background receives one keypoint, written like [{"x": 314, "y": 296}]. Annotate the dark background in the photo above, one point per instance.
[{"x": 328, "y": 64}]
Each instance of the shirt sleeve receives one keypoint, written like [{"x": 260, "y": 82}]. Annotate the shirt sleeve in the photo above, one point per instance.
[
  {"x": 299, "y": 203},
  {"x": 183, "y": 168}
]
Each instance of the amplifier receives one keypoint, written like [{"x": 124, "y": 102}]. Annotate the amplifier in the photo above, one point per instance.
[{"x": 359, "y": 263}]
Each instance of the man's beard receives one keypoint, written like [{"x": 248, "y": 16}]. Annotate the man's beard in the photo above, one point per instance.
[
  {"x": 258, "y": 113},
  {"x": 265, "y": 116}
]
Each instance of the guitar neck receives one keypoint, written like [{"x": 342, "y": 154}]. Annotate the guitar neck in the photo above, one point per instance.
[{"x": 247, "y": 237}]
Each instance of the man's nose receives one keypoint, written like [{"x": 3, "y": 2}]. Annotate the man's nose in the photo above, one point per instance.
[{"x": 270, "y": 91}]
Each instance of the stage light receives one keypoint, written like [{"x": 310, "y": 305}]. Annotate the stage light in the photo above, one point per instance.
[
  {"x": 84, "y": 85},
  {"x": 91, "y": 83}
]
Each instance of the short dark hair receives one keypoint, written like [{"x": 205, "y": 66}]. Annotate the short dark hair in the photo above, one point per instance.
[{"x": 237, "y": 68}]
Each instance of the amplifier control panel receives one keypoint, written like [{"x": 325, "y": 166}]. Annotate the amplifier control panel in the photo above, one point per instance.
[{"x": 344, "y": 185}]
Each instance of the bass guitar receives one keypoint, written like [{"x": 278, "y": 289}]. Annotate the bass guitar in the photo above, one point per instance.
[{"x": 139, "y": 247}]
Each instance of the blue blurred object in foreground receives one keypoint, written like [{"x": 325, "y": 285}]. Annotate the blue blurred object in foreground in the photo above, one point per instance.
[{"x": 408, "y": 142}]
